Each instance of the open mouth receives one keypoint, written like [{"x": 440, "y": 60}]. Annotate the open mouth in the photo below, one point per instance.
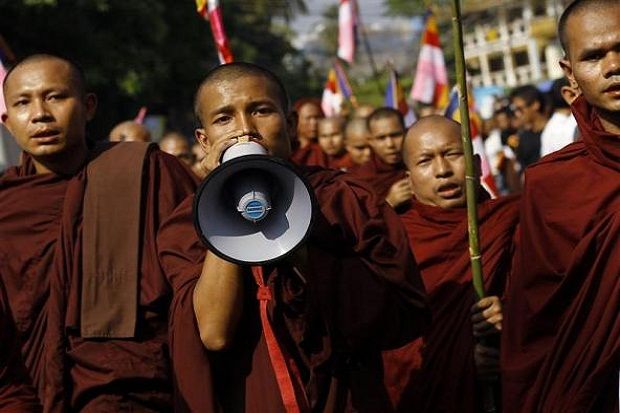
[
  {"x": 614, "y": 89},
  {"x": 449, "y": 190}
]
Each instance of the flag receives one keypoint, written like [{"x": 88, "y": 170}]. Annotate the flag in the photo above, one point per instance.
[
  {"x": 2, "y": 74},
  {"x": 211, "y": 10},
  {"x": 347, "y": 30},
  {"x": 395, "y": 98},
  {"x": 344, "y": 87},
  {"x": 331, "y": 101},
  {"x": 430, "y": 84},
  {"x": 141, "y": 115},
  {"x": 475, "y": 126}
]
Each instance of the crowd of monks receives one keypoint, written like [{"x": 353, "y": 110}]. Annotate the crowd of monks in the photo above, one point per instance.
[{"x": 109, "y": 301}]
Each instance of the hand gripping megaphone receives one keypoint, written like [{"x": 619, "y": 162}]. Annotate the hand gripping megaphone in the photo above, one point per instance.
[{"x": 254, "y": 208}]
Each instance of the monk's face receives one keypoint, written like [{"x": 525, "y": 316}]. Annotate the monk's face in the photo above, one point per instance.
[
  {"x": 436, "y": 165},
  {"x": 130, "y": 132},
  {"x": 386, "y": 139},
  {"x": 179, "y": 148},
  {"x": 308, "y": 121},
  {"x": 46, "y": 110},
  {"x": 593, "y": 56},
  {"x": 246, "y": 105},
  {"x": 331, "y": 136},
  {"x": 357, "y": 145}
]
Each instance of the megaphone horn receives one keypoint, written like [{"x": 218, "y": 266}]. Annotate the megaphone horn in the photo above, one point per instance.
[{"x": 254, "y": 208}]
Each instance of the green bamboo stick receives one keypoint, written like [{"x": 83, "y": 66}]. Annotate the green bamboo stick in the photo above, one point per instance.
[{"x": 471, "y": 184}]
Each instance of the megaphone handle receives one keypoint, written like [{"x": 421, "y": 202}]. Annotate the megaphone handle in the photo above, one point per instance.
[{"x": 277, "y": 354}]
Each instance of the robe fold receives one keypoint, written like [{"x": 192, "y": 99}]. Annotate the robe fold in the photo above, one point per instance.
[
  {"x": 352, "y": 290},
  {"x": 310, "y": 155},
  {"x": 41, "y": 250},
  {"x": 436, "y": 373},
  {"x": 341, "y": 162},
  {"x": 561, "y": 341},
  {"x": 379, "y": 175},
  {"x": 16, "y": 393}
]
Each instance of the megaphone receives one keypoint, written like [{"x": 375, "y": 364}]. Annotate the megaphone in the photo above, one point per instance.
[{"x": 254, "y": 208}]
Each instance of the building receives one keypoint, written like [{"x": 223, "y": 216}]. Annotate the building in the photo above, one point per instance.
[{"x": 512, "y": 43}]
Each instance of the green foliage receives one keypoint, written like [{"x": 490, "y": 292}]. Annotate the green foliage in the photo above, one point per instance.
[
  {"x": 153, "y": 53},
  {"x": 406, "y": 7}
]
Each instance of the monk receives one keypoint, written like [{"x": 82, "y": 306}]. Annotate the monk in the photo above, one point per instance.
[
  {"x": 175, "y": 144},
  {"x": 306, "y": 150},
  {"x": 79, "y": 250},
  {"x": 561, "y": 341},
  {"x": 130, "y": 131},
  {"x": 352, "y": 290},
  {"x": 446, "y": 369},
  {"x": 16, "y": 393},
  {"x": 356, "y": 138},
  {"x": 331, "y": 142},
  {"x": 385, "y": 172}
]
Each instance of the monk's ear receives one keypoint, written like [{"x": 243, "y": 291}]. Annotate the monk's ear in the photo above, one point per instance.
[
  {"x": 202, "y": 139},
  {"x": 568, "y": 72},
  {"x": 91, "y": 105}
]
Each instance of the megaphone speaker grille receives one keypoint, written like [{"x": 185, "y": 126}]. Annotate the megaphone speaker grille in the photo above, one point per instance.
[{"x": 267, "y": 227}]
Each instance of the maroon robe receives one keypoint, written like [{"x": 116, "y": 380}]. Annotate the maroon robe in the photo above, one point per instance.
[
  {"x": 40, "y": 248},
  {"x": 342, "y": 162},
  {"x": 362, "y": 294},
  {"x": 379, "y": 175},
  {"x": 16, "y": 393},
  {"x": 436, "y": 373},
  {"x": 561, "y": 341},
  {"x": 310, "y": 155}
]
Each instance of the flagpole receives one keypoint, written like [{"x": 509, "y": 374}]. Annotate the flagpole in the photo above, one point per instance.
[
  {"x": 373, "y": 66},
  {"x": 471, "y": 186}
]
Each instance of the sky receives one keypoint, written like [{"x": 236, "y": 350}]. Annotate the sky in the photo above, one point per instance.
[{"x": 371, "y": 12}]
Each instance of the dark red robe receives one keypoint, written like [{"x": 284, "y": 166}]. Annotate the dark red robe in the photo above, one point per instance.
[
  {"x": 379, "y": 175},
  {"x": 310, "y": 155},
  {"x": 16, "y": 393},
  {"x": 561, "y": 341},
  {"x": 40, "y": 251},
  {"x": 436, "y": 373},
  {"x": 341, "y": 162},
  {"x": 362, "y": 294}
]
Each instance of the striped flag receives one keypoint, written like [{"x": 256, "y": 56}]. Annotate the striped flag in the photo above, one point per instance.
[
  {"x": 331, "y": 101},
  {"x": 211, "y": 10},
  {"x": 347, "y": 30},
  {"x": 343, "y": 83},
  {"x": 430, "y": 84},
  {"x": 395, "y": 98},
  {"x": 475, "y": 126}
]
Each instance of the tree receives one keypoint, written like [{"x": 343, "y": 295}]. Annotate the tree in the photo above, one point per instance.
[{"x": 142, "y": 52}]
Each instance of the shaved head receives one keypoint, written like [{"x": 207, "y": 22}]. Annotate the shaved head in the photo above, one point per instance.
[
  {"x": 77, "y": 74},
  {"x": 431, "y": 124},
  {"x": 433, "y": 154},
  {"x": 578, "y": 7},
  {"x": 175, "y": 144},
  {"x": 237, "y": 70},
  {"x": 130, "y": 131}
]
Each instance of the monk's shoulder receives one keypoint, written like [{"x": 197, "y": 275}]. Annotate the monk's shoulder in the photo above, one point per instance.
[{"x": 574, "y": 152}]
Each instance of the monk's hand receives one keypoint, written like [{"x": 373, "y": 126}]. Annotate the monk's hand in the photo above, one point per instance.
[
  {"x": 213, "y": 156},
  {"x": 487, "y": 362},
  {"x": 487, "y": 317},
  {"x": 400, "y": 193}
]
